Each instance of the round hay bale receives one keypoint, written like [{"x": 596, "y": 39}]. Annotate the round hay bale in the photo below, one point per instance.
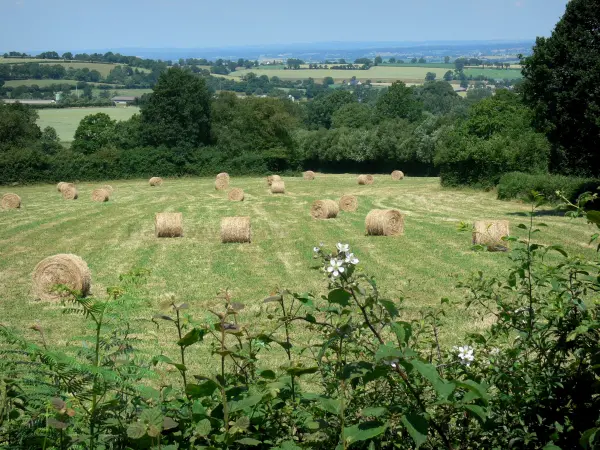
[
  {"x": 236, "y": 195},
  {"x": 69, "y": 192},
  {"x": 365, "y": 179},
  {"x": 100, "y": 195},
  {"x": 221, "y": 183},
  {"x": 236, "y": 229},
  {"x": 156, "y": 181},
  {"x": 384, "y": 222},
  {"x": 324, "y": 209},
  {"x": 348, "y": 203},
  {"x": 278, "y": 187},
  {"x": 109, "y": 188},
  {"x": 168, "y": 225},
  {"x": 489, "y": 233},
  {"x": 10, "y": 201},
  {"x": 308, "y": 175},
  {"x": 59, "y": 186},
  {"x": 223, "y": 175},
  {"x": 397, "y": 175},
  {"x": 272, "y": 178},
  {"x": 69, "y": 270}
]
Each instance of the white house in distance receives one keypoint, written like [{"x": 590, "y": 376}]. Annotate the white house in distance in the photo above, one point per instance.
[{"x": 123, "y": 100}]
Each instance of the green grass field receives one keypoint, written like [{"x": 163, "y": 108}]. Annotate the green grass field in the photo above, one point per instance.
[
  {"x": 45, "y": 82},
  {"x": 66, "y": 120},
  {"x": 494, "y": 73},
  {"x": 423, "y": 265}
]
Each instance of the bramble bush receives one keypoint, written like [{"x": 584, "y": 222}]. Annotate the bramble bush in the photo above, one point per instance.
[{"x": 366, "y": 378}]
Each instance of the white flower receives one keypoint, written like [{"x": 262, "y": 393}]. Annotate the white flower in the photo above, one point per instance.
[
  {"x": 495, "y": 351},
  {"x": 316, "y": 249},
  {"x": 335, "y": 267},
  {"x": 393, "y": 362},
  {"x": 343, "y": 247},
  {"x": 351, "y": 259},
  {"x": 465, "y": 354}
]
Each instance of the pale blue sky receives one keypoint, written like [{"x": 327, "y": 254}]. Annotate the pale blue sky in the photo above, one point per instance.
[{"x": 83, "y": 24}]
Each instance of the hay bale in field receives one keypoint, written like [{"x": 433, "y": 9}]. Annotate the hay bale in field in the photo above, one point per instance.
[
  {"x": 69, "y": 192},
  {"x": 348, "y": 203},
  {"x": 156, "y": 181},
  {"x": 59, "y": 186},
  {"x": 223, "y": 175},
  {"x": 397, "y": 175},
  {"x": 324, "y": 209},
  {"x": 108, "y": 188},
  {"x": 236, "y": 229},
  {"x": 100, "y": 195},
  {"x": 236, "y": 195},
  {"x": 168, "y": 224},
  {"x": 272, "y": 178},
  {"x": 365, "y": 179},
  {"x": 489, "y": 233},
  {"x": 384, "y": 222},
  {"x": 10, "y": 201},
  {"x": 308, "y": 175},
  {"x": 278, "y": 187},
  {"x": 66, "y": 269},
  {"x": 221, "y": 184}
]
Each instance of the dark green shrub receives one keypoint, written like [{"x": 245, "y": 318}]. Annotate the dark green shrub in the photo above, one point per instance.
[{"x": 521, "y": 185}]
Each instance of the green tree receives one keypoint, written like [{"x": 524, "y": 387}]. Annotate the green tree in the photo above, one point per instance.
[
  {"x": 378, "y": 60},
  {"x": 413, "y": 61},
  {"x": 93, "y": 133},
  {"x": 430, "y": 76},
  {"x": 352, "y": 115},
  {"x": 327, "y": 81},
  {"x": 449, "y": 76},
  {"x": 392, "y": 60},
  {"x": 319, "y": 112},
  {"x": 422, "y": 60},
  {"x": 437, "y": 97},
  {"x": 49, "y": 141},
  {"x": 561, "y": 80},
  {"x": 17, "y": 125},
  {"x": 67, "y": 56},
  {"x": 398, "y": 102},
  {"x": 446, "y": 59},
  {"x": 178, "y": 111}
]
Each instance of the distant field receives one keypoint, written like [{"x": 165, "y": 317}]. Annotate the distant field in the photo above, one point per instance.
[
  {"x": 382, "y": 73},
  {"x": 66, "y": 120},
  {"x": 494, "y": 73},
  {"x": 104, "y": 69},
  {"x": 45, "y": 82},
  {"x": 126, "y": 92},
  {"x": 18, "y": 60}
]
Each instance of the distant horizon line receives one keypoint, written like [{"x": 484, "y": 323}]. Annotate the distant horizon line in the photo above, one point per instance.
[{"x": 293, "y": 44}]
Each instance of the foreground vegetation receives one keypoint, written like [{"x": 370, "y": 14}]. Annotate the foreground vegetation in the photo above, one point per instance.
[{"x": 353, "y": 368}]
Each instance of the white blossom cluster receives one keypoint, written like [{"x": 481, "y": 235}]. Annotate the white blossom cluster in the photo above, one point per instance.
[
  {"x": 339, "y": 263},
  {"x": 465, "y": 354}
]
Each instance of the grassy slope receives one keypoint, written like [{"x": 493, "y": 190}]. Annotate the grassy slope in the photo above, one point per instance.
[
  {"x": 115, "y": 237},
  {"x": 66, "y": 120}
]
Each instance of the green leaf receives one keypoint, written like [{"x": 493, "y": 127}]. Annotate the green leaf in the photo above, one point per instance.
[
  {"x": 375, "y": 411},
  {"x": 403, "y": 331},
  {"x": 479, "y": 389},
  {"x": 388, "y": 352},
  {"x": 478, "y": 411},
  {"x": 417, "y": 427},
  {"x": 53, "y": 423},
  {"x": 288, "y": 445},
  {"x": 298, "y": 371},
  {"x": 593, "y": 217},
  {"x": 588, "y": 437},
  {"x": 364, "y": 431},
  {"x": 390, "y": 307},
  {"x": 247, "y": 402},
  {"x": 249, "y": 441},
  {"x": 136, "y": 430},
  {"x": 268, "y": 374},
  {"x": 169, "y": 423},
  {"x": 201, "y": 390},
  {"x": 551, "y": 446},
  {"x": 339, "y": 296},
  {"x": 330, "y": 405},
  {"x": 272, "y": 299},
  {"x": 428, "y": 371},
  {"x": 152, "y": 417},
  {"x": 203, "y": 427},
  {"x": 242, "y": 423},
  {"x": 191, "y": 337}
]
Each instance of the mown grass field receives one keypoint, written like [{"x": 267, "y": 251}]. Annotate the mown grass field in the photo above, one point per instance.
[
  {"x": 45, "y": 82},
  {"x": 494, "y": 73},
  {"x": 66, "y": 120},
  {"x": 422, "y": 266}
]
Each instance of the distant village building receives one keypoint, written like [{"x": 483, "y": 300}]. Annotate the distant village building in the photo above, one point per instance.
[{"x": 124, "y": 100}]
